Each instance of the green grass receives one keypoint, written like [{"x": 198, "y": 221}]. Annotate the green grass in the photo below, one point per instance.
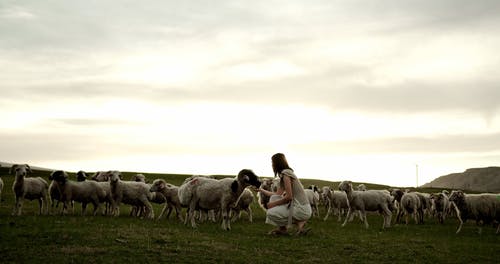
[{"x": 82, "y": 239}]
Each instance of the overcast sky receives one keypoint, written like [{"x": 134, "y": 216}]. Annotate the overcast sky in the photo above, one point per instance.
[{"x": 358, "y": 90}]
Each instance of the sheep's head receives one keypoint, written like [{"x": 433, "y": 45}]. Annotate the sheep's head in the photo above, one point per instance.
[
  {"x": 114, "y": 176},
  {"x": 246, "y": 177},
  {"x": 345, "y": 186},
  {"x": 59, "y": 176},
  {"x": 457, "y": 197},
  {"x": 100, "y": 176},
  {"x": 21, "y": 170},
  {"x": 397, "y": 194},
  {"x": 139, "y": 178},
  {"x": 438, "y": 199},
  {"x": 81, "y": 176},
  {"x": 158, "y": 185}
]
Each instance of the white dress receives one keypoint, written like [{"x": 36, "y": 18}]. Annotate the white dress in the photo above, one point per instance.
[{"x": 301, "y": 211}]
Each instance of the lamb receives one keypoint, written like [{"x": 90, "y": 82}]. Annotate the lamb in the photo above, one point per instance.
[
  {"x": 480, "y": 207},
  {"x": 243, "y": 204},
  {"x": 28, "y": 188},
  {"x": 170, "y": 192},
  {"x": 84, "y": 192},
  {"x": 371, "y": 200},
  {"x": 441, "y": 205},
  {"x": 268, "y": 185},
  {"x": 206, "y": 194},
  {"x": 101, "y": 176},
  {"x": 132, "y": 193},
  {"x": 313, "y": 197}
]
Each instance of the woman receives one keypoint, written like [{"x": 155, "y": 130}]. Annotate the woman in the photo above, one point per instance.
[{"x": 289, "y": 204}]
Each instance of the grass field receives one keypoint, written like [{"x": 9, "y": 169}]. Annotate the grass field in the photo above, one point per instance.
[{"x": 83, "y": 239}]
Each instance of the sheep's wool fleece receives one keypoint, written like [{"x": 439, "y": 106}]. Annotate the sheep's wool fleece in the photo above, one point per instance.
[{"x": 278, "y": 215}]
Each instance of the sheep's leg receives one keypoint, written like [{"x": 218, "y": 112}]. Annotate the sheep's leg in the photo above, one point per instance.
[
  {"x": 226, "y": 223},
  {"x": 150, "y": 213},
  {"x": 169, "y": 211},
  {"x": 84, "y": 208},
  {"x": 163, "y": 211},
  {"x": 349, "y": 212},
  {"x": 97, "y": 205},
  {"x": 363, "y": 218},
  {"x": 17, "y": 206},
  {"x": 40, "y": 206},
  {"x": 178, "y": 213},
  {"x": 192, "y": 207},
  {"x": 250, "y": 216},
  {"x": 328, "y": 211}
]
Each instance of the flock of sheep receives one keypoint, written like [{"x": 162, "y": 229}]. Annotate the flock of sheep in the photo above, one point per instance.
[{"x": 209, "y": 198}]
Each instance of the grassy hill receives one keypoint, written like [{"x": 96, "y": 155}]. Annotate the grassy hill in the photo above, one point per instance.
[{"x": 475, "y": 179}]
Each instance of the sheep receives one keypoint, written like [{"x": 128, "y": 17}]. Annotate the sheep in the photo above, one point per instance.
[
  {"x": 139, "y": 178},
  {"x": 371, "y": 200},
  {"x": 132, "y": 193},
  {"x": 441, "y": 204},
  {"x": 361, "y": 187},
  {"x": 101, "y": 176},
  {"x": 84, "y": 192},
  {"x": 81, "y": 176},
  {"x": 170, "y": 192},
  {"x": 54, "y": 194},
  {"x": 268, "y": 185},
  {"x": 398, "y": 194},
  {"x": 157, "y": 197},
  {"x": 243, "y": 204},
  {"x": 480, "y": 207},
  {"x": 411, "y": 204},
  {"x": 313, "y": 197},
  {"x": 28, "y": 188},
  {"x": 205, "y": 194}
]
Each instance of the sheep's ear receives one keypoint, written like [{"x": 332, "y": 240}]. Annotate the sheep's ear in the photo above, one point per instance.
[
  {"x": 51, "y": 176},
  {"x": 13, "y": 168},
  {"x": 234, "y": 186},
  {"x": 29, "y": 169}
]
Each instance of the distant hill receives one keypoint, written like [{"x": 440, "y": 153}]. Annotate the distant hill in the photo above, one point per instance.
[
  {"x": 8, "y": 165},
  {"x": 476, "y": 179}
]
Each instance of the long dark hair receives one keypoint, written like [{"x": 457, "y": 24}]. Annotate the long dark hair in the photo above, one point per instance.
[{"x": 279, "y": 163}]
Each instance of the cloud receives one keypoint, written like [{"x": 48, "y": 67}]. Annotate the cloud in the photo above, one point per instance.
[{"x": 444, "y": 144}]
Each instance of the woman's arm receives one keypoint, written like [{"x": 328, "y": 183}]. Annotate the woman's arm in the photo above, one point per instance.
[{"x": 287, "y": 196}]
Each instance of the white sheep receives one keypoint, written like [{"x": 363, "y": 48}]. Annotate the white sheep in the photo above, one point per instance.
[
  {"x": 170, "y": 192},
  {"x": 243, "y": 203},
  {"x": 28, "y": 188},
  {"x": 483, "y": 208},
  {"x": 411, "y": 204},
  {"x": 206, "y": 194},
  {"x": 84, "y": 192},
  {"x": 157, "y": 197},
  {"x": 371, "y": 200},
  {"x": 132, "y": 193},
  {"x": 313, "y": 197},
  {"x": 268, "y": 185}
]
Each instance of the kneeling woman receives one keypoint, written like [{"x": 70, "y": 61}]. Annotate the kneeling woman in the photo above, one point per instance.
[{"x": 289, "y": 205}]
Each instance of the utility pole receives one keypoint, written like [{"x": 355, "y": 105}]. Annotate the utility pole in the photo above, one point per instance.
[{"x": 416, "y": 166}]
